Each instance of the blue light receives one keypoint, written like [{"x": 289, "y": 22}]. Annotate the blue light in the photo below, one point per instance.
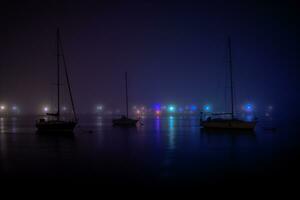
[
  {"x": 207, "y": 108},
  {"x": 193, "y": 108},
  {"x": 248, "y": 107},
  {"x": 249, "y": 117}
]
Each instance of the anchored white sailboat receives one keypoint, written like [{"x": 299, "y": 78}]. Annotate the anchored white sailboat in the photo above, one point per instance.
[
  {"x": 56, "y": 123},
  {"x": 227, "y": 120}
]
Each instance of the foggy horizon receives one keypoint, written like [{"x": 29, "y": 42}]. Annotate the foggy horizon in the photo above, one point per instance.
[{"x": 173, "y": 53}]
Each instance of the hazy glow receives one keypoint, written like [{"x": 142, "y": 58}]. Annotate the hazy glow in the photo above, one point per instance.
[
  {"x": 248, "y": 107},
  {"x": 157, "y": 107},
  {"x": 2, "y": 107},
  {"x": 99, "y": 108},
  {"x": 171, "y": 108},
  {"x": 193, "y": 108},
  {"x": 46, "y": 109},
  {"x": 207, "y": 108},
  {"x": 249, "y": 117}
]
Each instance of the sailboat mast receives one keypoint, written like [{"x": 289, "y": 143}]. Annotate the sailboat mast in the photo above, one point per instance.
[
  {"x": 126, "y": 94},
  {"x": 58, "y": 77},
  {"x": 231, "y": 78},
  {"x": 67, "y": 77}
]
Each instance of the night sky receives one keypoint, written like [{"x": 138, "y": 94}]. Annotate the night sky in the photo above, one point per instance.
[{"x": 174, "y": 52}]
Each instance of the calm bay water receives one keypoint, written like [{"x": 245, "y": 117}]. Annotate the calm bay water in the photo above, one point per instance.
[{"x": 167, "y": 150}]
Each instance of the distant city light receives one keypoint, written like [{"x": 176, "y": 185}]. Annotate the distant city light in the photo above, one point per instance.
[
  {"x": 248, "y": 107},
  {"x": 157, "y": 106},
  {"x": 193, "y": 108},
  {"x": 207, "y": 108},
  {"x": 99, "y": 108},
  {"x": 2, "y": 107},
  {"x": 138, "y": 112},
  {"x": 14, "y": 108},
  {"x": 171, "y": 108},
  {"x": 46, "y": 109},
  {"x": 270, "y": 107},
  {"x": 64, "y": 108}
]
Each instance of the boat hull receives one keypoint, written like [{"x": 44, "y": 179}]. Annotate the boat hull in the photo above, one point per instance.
[
  {"x": 124, "y": 122},
  {"x": 55, "y": 127},
  {"x": 228, "y": 124}
]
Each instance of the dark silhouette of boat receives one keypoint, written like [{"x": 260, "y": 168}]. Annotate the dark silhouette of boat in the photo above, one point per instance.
[
  {"x": 56, "y": 123},
  {"x": 229, "y": 120},
  {"x": 125, "y": 121}
]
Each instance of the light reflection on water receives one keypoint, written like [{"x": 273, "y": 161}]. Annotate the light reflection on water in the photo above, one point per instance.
[
  {"x": 171, "y": 134},
  {"x": 165, "y": 146},
  {"x": 2, "y": 124}
]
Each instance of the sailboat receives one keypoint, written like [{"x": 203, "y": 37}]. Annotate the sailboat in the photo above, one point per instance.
[
  {"x": 125, "y": 120},
  {"x": 56, "y": 123},
  {"x": 227, "y": 120}
]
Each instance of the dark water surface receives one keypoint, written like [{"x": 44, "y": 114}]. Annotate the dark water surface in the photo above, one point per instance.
[{"x": 169, "y": 150}]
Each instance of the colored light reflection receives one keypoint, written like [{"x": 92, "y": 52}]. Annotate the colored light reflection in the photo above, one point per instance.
[
  {"x": 171, "y": 134},
  {"x": 157, "y": 124},
  {"x": 157, "y": 112},
  {"x": 249, "y": 117}
]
